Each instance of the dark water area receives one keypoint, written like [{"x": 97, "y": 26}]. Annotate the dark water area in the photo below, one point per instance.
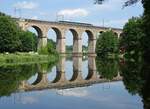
[{"x": 76, "y": 83}]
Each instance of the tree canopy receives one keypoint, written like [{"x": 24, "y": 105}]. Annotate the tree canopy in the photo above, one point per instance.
[
  {"x": 9, "y": 34},
  {"x": 132, "y": 37},
  {"x": 107, "y": 42}
]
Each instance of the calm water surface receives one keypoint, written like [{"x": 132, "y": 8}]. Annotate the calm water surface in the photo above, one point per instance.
[{"x": 75, "y": 83}]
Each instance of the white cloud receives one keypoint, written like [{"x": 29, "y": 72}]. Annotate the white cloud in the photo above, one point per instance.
[
  {"x": 34, "y": 17},
  {"x": 26, "y": 5},
  {"x": 73, "y": 12},
  {"x": 73, "y": 92}
]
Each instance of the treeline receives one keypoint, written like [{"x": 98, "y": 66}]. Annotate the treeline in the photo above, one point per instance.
[
  {"x": 132, "y": 41},
  {"x": 14, "y": 39}
]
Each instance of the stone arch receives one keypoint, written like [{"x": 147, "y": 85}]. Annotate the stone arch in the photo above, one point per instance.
[
  {"x": 58, "y": 36},
  {"x": 58, "y": 32},
  {"x": 90, "y": 34},
  {"x": 101, "y": 32},
  {"x": 74, "y": 33},
  {"x": 116, "y": 34},
  {"x": 42, "y": 38},
  {"x": 77, "y": 42},
  {"x": 38, "y": 30},
  {"x": 91, "y": 42}
]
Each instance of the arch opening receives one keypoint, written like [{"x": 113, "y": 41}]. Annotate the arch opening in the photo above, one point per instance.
[
  {"x": 34, "y": 80},
  {"x": 85, "y": 43},
  {"x": 37, "y": 34},
  {"x": 54, "y": 34},
  {"x": 91, "y": 42},
  {"x": 71, "y": 38}
]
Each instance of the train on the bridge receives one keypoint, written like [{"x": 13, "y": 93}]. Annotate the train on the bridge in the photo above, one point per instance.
[{"x": 75, "y": 23}]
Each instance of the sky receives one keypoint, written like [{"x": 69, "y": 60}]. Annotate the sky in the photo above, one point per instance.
[{"x": 110, "y": 14}]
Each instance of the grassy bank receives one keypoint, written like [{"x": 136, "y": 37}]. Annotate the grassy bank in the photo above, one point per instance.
[{"x": 25, "y": 58}]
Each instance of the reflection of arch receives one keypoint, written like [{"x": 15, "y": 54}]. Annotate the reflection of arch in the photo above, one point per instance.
[
  {"x": 90, "y": 74},
  {"x": 58, "y": 77},
  {"x": 91, "y": 69},
  {"x": 60, "y": 71},
  {"x": 77, "y": 69},
  {"x": 38, "y": 30},
  {"x": 75, "y": 75},
  {"x": 38, "y": 79}
]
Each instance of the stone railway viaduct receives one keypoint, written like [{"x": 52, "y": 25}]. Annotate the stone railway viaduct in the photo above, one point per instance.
[{"x": 61, "y": 27}]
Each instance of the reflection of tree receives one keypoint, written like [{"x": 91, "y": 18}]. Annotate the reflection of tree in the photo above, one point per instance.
[
  {"x": 145, "y": 92},
  {"x": 107, "y": 68},
  {"x": 46, "y": 67},
  {"x": 11, "y": 76},
  {"x": 131, "y": 72},
  {"x": 136, "y": 77}
]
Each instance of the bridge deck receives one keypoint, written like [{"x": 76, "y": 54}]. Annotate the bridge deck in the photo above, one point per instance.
[{"x": 69, "y": 24}]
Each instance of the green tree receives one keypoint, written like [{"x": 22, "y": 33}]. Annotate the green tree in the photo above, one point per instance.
[
  {"x": 107, "y": 43},
  {"x": 9, "y": 35},
  {"x": 51, "y": 46},
  {"x": 2, "y": 14},
  {"x": 132, "y": 37},
  {"x": 146, "y": 24},
  {"x": 28, "y": 41}
]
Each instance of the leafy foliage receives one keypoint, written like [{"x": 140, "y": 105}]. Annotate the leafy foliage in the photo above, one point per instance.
[
  {"x": 28, "y": 41},
  {"x": 107, "y": 43},
  {"x": 9, "y": 35},
  {"x": 132, "y": 37}
]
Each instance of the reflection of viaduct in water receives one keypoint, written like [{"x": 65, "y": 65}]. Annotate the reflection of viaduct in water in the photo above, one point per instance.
[
  {"x": 60, "y": 80},
  {"x": 60, "y": 28}
]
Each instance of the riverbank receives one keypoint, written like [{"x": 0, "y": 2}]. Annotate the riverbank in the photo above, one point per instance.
[{"x": 26, "y": 58}]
